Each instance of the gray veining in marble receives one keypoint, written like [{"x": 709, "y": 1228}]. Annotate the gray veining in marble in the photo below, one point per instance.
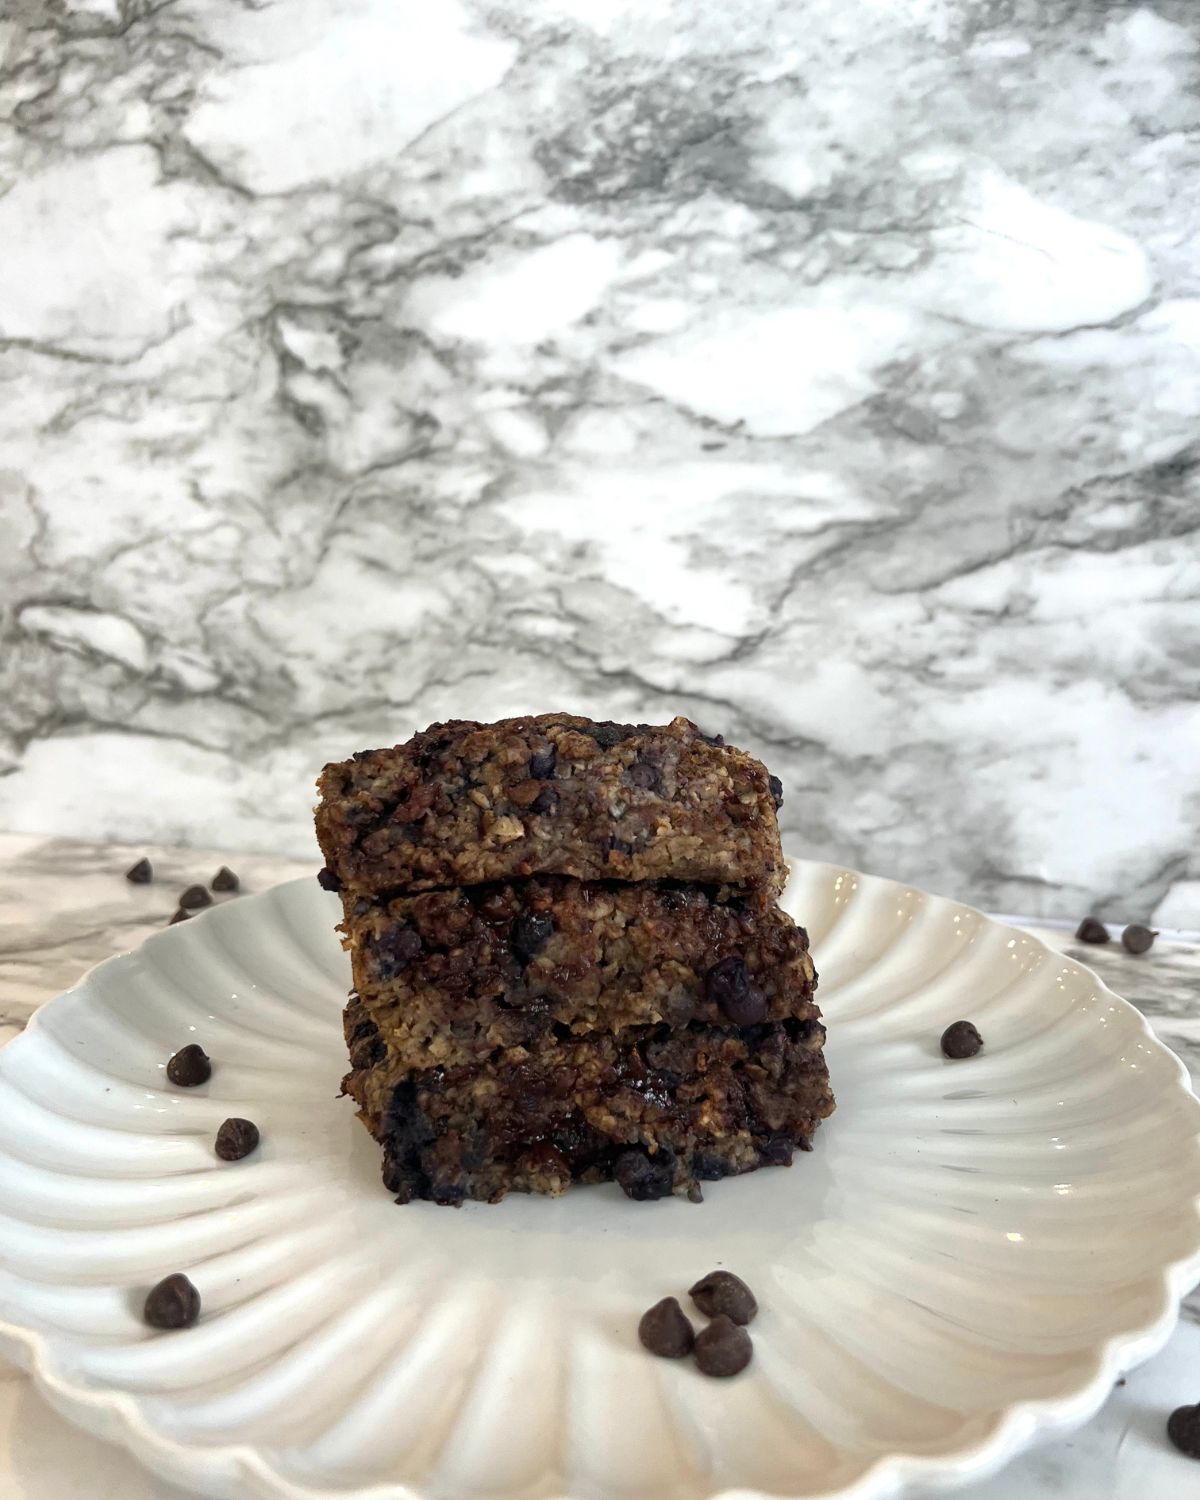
[{"x": 827, "y": 372}]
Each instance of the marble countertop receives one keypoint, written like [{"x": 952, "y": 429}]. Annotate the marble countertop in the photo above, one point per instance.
[
  {"x": 827, "y": 372},
  {"x": 64, "y": 905}
]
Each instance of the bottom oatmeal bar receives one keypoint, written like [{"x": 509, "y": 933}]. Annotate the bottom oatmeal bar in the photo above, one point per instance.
[{"x": 658, "y": 1109}]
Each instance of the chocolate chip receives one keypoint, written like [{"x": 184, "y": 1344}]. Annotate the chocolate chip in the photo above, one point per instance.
[
  {"x": 140, "y": 874},
  {"x": 607, "y": 734},
  {"x": 643, "y": 774},
  {"x": 961, "y": 1039},
  {"x": 776, "y": 789},
  {"x": 723, "y": 1292},
  {"x": 327, "y": 880},
  {"x": 665, "y": 1330},
  {"x": 777, "y": 1151},
  {"x": 173, "y": 1303},
  {"x": 366, "y": 1046},
  {"x": 531, "y": 931},
  {"x": 722, "y": 1349},
  {"x": 1137, "y": 939},
  {"x": 712, "y": 739},
  {"x": 542, "y": 763},
  {"x": 728, "y": 985},
  {"x": 709, "y": 1168},
  {"x": 1091, "y": 931},
  {"x": 189, "y": 1066},
  {"x": 643, "y": 1177},
  {"x": 1183, "y": 1428},
  {"x": 225, "y": 880},
  {"x": 545, "y": 1159},
  {"x": 195, "y": 897},
  {"x": 618, "y": 846},
  {"x": 395, "y": 950},
  {"x": 180, "y": 916},
  {"x": 545, "y": 802},
  {"x": 235, "y": 1139}
]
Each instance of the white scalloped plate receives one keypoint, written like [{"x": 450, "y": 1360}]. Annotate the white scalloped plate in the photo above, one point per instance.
[{"x": 969, "y": 1258}]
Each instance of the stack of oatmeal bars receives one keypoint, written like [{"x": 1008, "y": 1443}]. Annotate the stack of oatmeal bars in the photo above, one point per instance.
[{"x": 568, "y": 961}]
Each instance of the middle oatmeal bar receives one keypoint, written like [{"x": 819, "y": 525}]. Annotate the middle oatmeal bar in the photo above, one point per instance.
[{"x": 450, "y": 976}]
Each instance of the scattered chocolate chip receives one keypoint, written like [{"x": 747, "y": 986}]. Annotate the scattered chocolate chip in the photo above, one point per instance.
[
  {"x": 1183, "y": 1428},
  {"x": 643, "y": 1177},
  {"x": 235, "y": 1139},
  {"x": 542, "y": 763},
  {"x": 1137, "y": 939},
  {"x": 140, "y": 874},
  {"x": 531, "y": 931},
  {"x": 776, "y": 789},
  {"x": 723, "y": 1292},
  {"x": 729, "y": 986},
  {"x": 643, "y": 774},
  {"x": 665, "y": 1330},
  {"x": 173, "y": 1303},
  {"x": 1091, "y": 931},
  {"x": 961, "y": 1039},
  {"x": 225, "y": 880},
  {"x": 722, "y": 1349},
  {"x": 195, "y": 897},
  {"x": 712, "y": 739},
  {"x": 180, "y": 916},
  {"x": 327, "y": 880},
  {"x": 189, "y": 1066},
  {"x": 618, "y": 846},
  {"x": 545, "y": 802}
]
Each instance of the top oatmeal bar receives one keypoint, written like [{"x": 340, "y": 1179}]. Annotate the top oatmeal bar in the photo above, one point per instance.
[{"x": 553, "y": 794}]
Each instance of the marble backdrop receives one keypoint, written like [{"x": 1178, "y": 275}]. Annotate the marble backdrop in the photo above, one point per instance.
[{"x": 828, "y": 372}]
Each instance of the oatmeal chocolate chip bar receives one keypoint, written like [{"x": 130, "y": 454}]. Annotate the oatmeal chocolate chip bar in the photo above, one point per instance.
[
  {"x": 450, "y": 976},
  {"x": 568, "y": 962},
  {"x": 657, "y": 1109},
  {"x": 464, "y": 803}
]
